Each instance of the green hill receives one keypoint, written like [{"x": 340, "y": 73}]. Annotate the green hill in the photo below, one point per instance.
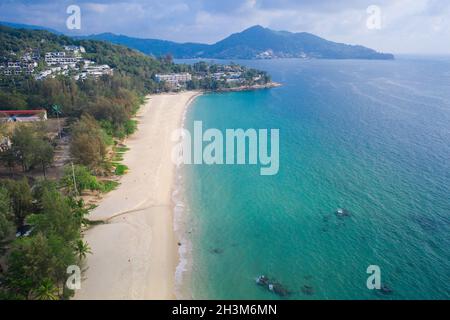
[
  {"x": 253, "y": 43},
  {"x": 128, "y": 62}
]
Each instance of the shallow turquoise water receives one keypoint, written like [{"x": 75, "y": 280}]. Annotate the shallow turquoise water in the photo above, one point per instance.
[{"x": 369, "y": 136}]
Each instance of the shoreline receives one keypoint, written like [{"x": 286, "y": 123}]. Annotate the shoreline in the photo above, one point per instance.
[
  {"x": 268, "y": 85},
  {"x": 135, "y": 252}
]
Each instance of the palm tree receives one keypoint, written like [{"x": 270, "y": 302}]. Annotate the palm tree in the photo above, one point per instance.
[
  {"x": 46, "y": 291},
  {"x": 82, "y": 249}
]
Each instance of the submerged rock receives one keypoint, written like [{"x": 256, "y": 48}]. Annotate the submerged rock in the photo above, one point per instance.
[
  {"x": 262, "y": 280},
  {"x": 272, "y": 286},
  {"x": 308, "y": 290},
  {"x": 342, "y": 213},
  {"x": 280, "y": 290},
  {"x": 385, "y": 289}
]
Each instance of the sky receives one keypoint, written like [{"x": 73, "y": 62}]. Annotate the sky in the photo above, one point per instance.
[{"x": 397, "y": 26}]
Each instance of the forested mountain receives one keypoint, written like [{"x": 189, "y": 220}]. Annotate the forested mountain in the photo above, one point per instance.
[
  {"x": 154, "y": 47},
  {"x": 28, "y": 26},
  {"x": 127, "y": 62},
  {"x": 253, "y": 43}
]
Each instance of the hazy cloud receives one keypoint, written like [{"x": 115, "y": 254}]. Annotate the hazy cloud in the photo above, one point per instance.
[{"x": 421, "y": 26}]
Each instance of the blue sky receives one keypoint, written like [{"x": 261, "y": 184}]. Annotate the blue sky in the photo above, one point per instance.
[{"x": 407, "y": 26}]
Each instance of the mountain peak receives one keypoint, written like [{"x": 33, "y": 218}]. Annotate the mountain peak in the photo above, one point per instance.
[
  {"x": 255, "y": 28},
  {"x": 264, "y": 43}
]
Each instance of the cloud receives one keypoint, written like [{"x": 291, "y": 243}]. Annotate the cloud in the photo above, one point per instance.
[{"x": 420, "y": 26}]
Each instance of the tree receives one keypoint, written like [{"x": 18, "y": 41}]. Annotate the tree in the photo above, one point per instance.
[
  {"x": 84, "y": 180},
  {"x": 46, "y": 291},
  {"x": 87, "y": 145},
  {"x": 21, "y": 199},
  {"x": 30, "y": 147},
  {"x": 8, "y": 158},
  {"x": 39, "y": 188},
  {"x": 23, "y": 140},
  {"x": 82, "y": 249},
  {"x": 38, "y": 263},
  {"x": 36, "y": 260},
  {"x": 56, "y": 218},
  {"x": 105, "y": 109},
  {"x": 12, "y": 101},
  {"x": 43, "y": 154},
  {"x": 30, "y": 262},
  {"x": 6, "y": 216}
]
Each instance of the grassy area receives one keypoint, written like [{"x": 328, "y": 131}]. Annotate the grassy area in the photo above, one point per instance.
[
  {"x": 117, "y": 157},
  {"x": 121, "y": 149},
  {"x": 109, "y": 185},
  {"x": 91, "y": 223},
  {"x": 121, "y": 169},
  {"x": 92, "y": 207}
]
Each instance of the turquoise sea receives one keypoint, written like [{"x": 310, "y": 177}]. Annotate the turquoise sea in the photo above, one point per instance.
[{"x": 372, "y": 137}]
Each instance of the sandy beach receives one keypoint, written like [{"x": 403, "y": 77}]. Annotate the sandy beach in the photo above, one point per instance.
[{"x": 135, "y": 251}]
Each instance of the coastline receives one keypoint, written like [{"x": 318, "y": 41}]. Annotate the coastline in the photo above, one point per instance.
[
  {"x": 268, "y": 85},
  {"x": 135, "y": 252}
]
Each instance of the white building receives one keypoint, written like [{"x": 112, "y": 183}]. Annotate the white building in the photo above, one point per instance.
[
  {"x": 90, "y": 69},
  {"x": 233, "y": 80},
  {"x": 98, "y": 71},
  {"x": 218, "y": 75},
  {"x": 75, "y": 49},
  {"x": 14, "y": 64},
  {"x": 44, "y": 74},
  {"x": 174, "y": 77},
  {"x": 17, "y": 68},
  {"x": 60, "y": 58}
]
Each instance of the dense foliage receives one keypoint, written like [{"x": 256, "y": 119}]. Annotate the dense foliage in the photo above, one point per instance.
[
  {"x": 48, "y": 216},
  {"x": 37, "y": 264}
]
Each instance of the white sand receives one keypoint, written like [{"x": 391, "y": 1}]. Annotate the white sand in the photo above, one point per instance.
[{"x": 135, "y": 253}]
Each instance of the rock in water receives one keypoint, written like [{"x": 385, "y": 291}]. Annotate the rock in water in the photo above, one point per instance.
[
  {"x": 308, "y": 290},
  {"x": 341, "y": 213}
]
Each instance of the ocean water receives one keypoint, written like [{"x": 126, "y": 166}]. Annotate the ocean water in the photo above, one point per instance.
[{"x": 372, "y": 137}]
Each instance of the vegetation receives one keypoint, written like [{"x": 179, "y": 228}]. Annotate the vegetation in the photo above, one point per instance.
[
  {"x": 109, "y": 186},
  {"x": 88, "y": 144},
  {"x": 78, "y": 178},
  {"x": 82, "y": 249},
  {"x": 121, "y": 149},
  {"x": 37, "y": 263},
  {"x": 30, "y": 148},
  {"x": 99, "y": 112},
  {"x": 6, "y": 216},
  {"x": 20, "y": 199},
  {"x": 120, "y": 169}
]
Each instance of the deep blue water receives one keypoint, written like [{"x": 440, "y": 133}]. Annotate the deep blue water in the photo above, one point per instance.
[{"x": 372, "y": 137}]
